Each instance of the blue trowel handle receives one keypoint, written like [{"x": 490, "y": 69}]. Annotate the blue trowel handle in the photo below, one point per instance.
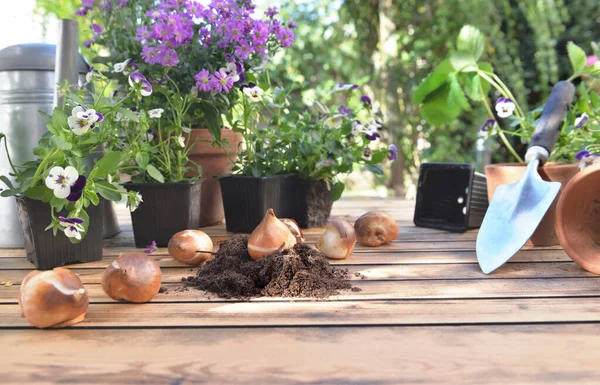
[{"x": 550, "y": 123}]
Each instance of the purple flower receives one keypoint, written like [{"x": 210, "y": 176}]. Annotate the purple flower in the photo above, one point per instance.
[
  {"x": 151, "y": 248},
  {"x": 74, "y": 221},
  {"x": 271, "y": 12},
  {"x": 87, "y": 43},
  {"x": 287, "y": 38},
  {"x": 203, "y": 80},
  {"x": 82, "y": 11},
  {"x": 97, "y": 29},
  {"x": 366, "y": 100},
  {"x": 138, "y": 81},
  {"x": 167, "y": 56},
  {"x": 582, "y": 154},
  {"x": 242, "y": 51},
  {"x": 393, "y": 152},
  {"x": 150, "y": 55},
  {"x": 221, "y": 82},
  {"x": 346, "y": 111},
  {"x": 87, "y": 3},
  {"x": 122, "y": 3},
  {"x": 142, "y": 34},
  {"x": 505, "y": 107},
  {"x": 581, "y": 120},
  {"x": 292, "y": 24},
  {"x": 487, "y": 125},
  {"x": 72, "y": 227},
  {"x": 372, "y": 134},
  {"x": 77, "y": 189}
]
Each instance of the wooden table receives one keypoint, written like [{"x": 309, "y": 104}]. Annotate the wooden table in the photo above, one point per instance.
[{"x": 425, "y": 315}]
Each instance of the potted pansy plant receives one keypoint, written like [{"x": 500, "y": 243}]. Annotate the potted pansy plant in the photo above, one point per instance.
[
  {"x": 262, "y": 177},
  {"x": 196, "y": 56},
  {"x": 61, "y": 193},
  {"x": 330, "y": 142},
  {"x": 464, "y": 78}
]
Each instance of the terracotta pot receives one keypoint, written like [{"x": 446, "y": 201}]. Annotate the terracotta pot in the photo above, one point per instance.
[
  {"x": 578, "y": 219},
  {"x": 507, "y": 173},
  {"x": 215, "y": 161}
]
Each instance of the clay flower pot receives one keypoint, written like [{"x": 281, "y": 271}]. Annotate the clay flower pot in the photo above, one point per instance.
[
  {"x": 578, "y": 219},
  {"x": 507, "y": 173},
  {"x": 215, "y": 161}
]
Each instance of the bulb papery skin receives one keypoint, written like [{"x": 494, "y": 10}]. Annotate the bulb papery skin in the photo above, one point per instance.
[
  {"x": 132, "y": 277},
  {"x": 53, "y": 298},
  {"x": 375, "y": 228},
  {"x": 187, "y": 246},
  {"x": 338, "y": 241},
  {"x": 270, "y": 236},
  {"x": 294, "y": 228}
]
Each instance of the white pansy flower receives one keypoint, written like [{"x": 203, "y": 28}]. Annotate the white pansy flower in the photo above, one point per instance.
[
  {"x": 155, "y": 113},
  {"x": 254, "y": 93},
  {"x": 82, "y": 120},
  {"x": 231, "y": 70},
  {"x": 505, "y": 107},
  {"x": 60, "y": 180},
  {"x": 334, "y": 121},
  {"x": 181, "y": 140}
]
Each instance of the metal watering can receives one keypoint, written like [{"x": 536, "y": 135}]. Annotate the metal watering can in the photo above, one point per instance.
[{"x": 28, "y": 77}]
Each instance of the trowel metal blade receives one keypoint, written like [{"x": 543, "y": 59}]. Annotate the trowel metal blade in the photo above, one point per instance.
[{"x": 515, "y": 212}]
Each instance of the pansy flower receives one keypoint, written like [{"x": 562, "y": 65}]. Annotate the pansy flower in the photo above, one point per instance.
[
  {"x": 393, "y": 152},
  {"x": 133, "y": 201},
  {"x": 372, "y": 134},
  {"x": 155, "y": 113},
  {"x": 231, "y": 70},
  {"x": 587, "y": 158},
  {"x": 505, "y": 107},
  {"x": 139, "y": 81},
  {"x": 254, "y": 93},
  {"x": 151, "y": 248},
  {"x": 581, "y": 120},
  {"x": 345, "y": 111},
  {"x": 365, "y": 100},
  {"x": 82, "y": 120},
  {"x": 65, "y": 181},
  {"x": 181, "y": 141},
  {"x": 72, "y": 227},
  {"x": 357, "y": 127},
  {"x": 367, "y": 153},
  {"x": 487, "y": 125},
  {"x": 334, "y": 121}
]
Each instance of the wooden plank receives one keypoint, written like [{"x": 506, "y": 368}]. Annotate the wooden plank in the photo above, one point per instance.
[
  {"x": 373, "y": 272},
  {"x": 325, "y": 313},
  {"x": 385, "y": 290},
  {"x": 377, "y": 256},
  {"x": 469, "y": 355}
]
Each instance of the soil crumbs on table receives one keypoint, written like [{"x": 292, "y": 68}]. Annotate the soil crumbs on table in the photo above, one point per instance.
[{"x": 299, "y": 272}]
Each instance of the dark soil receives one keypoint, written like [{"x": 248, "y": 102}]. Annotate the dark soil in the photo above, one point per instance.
[
  {"x": 312, "y": 203},
  {"x": 299, "y": 272}
]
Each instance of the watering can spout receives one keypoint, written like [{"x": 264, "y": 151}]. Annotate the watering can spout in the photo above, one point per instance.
[{"x": 67, "y": 57}]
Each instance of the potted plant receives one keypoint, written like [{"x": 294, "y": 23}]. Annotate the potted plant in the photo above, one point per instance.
[
  {"x": 261, "y": 178},
  {"x": 59, "y": 190},
  {"x": 331, "y": 141},
  {"x": 464, "y": 78},
  {"x": 201, "y": 52}
]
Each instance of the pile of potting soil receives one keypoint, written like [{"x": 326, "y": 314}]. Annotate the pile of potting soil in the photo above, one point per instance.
[{"x": 299, "y": 272}]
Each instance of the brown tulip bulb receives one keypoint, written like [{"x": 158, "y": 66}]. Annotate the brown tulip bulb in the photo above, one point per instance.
[
  {"x": 338, "y": 240},
  {"x": 53, "y": 298},
  {"x": 270, "y": 236},
  {"x": 375, "y": 228},
  {"x": 294, "y": 228},
  {"x": 132, "y": 277},
  {"x": 192, "y": 247}
]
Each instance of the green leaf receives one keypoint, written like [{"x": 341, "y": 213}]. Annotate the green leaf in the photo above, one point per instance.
[
  {"x": 595, "y": 99},
  {"x": 92, "y": 196},
  {"x": 59, "y": 118},
  {"x": 130, "y": 114},
  {"x": 6, "y": 181},
  {"x": 437, "y": 110},
  {"x": 433, "y": 82},
  {"x": 463, "y": 62},
  {"x": 108, "y": 191},
  {"x": 107, "y": 164},
  {"x": 456, "y": 94},
  {"x": 593, "y": 70},
  {"x": 256, "y": 171},
  {"x": 39, "y": 193},
  {"x": 336, "y": 190},
  {"x": 9, "y": 193},
  {"x": 60, "y": 143},
  {"x": 212, "y": 118},
  {"x": 471, "y": 41},
  {"x": 577, "y": 57},
  {"x": 155, "y": 174},
  {"x": 375, "y": 168},
  {"x": 470, "y": 85},
  {"x": 142, "y": 159}
]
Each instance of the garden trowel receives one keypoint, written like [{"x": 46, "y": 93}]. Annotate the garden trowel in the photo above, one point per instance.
[{"x": 517, "y": 209}]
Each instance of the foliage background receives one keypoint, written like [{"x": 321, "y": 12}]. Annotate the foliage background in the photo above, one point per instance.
[{"x": 393, "y": 44}]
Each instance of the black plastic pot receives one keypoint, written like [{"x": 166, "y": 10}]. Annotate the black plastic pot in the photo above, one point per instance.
[
  {"x": 167, "y": 208},
  {"x": 311, "y": 202},
  {"x": 451, "y": 197},
  {"x": 47, "y": 251},
  {"x": 247, "y": 198}
]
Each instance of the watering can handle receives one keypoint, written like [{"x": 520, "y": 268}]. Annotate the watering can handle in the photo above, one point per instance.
[{"x": 550, "y": 123}]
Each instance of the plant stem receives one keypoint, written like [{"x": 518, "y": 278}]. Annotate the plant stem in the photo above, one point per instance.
[
  {"x": 500, "y": 133},
  {"x": 12, "y": 166}
]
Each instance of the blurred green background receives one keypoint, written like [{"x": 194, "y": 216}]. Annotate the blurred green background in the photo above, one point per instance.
[{"x": 392, "y": 45}]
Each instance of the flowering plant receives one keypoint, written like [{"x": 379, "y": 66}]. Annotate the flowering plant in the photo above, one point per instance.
[
  {"x": 200, "y": 51},
  {"x": 64, "y": 174},
  {"x": 445, "y": 93},
  {"x": 329, "y": 141}
]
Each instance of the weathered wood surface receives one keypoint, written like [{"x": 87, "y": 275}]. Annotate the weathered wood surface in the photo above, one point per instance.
[{"x": 425, "y": 314}]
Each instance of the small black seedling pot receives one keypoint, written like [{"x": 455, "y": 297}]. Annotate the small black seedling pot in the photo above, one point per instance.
[
  {"x": 311, "y": 202},
  {"x": 47, "y": 251},
  {"x": 167, "y": 209},
  {"x": 247, "y": 198},
  {"x": 450, "y": 196}
]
